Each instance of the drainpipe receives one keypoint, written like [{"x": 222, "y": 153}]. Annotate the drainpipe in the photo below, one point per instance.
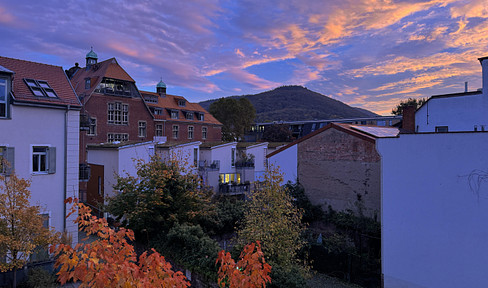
[{"x": 65, "y": 163}]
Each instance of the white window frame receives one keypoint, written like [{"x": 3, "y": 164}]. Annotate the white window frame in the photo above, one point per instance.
[
  {"x": 4, "y": 101},
  {"x": 92, "y": 128},
  {"x": 50, "y": 159},
  {"x": 204, "y": 132},
  {"x": 159, "y": 129},
  {"x": 175, "y": 131},
  {"x": 142, "y": 128},
  {"x": 191, "y": 131}
]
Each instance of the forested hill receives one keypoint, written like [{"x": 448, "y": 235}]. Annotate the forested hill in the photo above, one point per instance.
[{"x": 296, "y": 103}]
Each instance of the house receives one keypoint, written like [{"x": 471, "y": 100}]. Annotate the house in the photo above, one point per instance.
[
  {"x": 338, "y": 165},
  {"x": 187, "y": 154},
  {"x": 39, "y": 124},
  {"x": 458, "y": 111},
  {"x": 110, "y": 161},
  {"x": 251, "y": 160},
  {"x": 434, "y": 209},
  {"x": 180, "y": 120}
]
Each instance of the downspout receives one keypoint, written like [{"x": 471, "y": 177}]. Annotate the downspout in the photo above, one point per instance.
[{"x": 65, "y": 163}]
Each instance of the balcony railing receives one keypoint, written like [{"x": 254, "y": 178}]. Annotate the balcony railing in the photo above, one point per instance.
[
  {"x": 234, "y": 189},
  {"x": 215, "y": 165}
]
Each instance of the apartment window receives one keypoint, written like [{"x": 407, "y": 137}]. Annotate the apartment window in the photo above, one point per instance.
[
  {"x": 6, "y": 160},
  {"x": 229, "y": 178},
  {"x": 182, "y": 103},
  {"x": 159, "y": 129},
  {"x": 92, "y": 128},
  {"x": 43, "y": 160},
  {"x": 190, "y": 132},
  {"x": 175, "y": 131},
  {"x": 40, "y": 88},
  {"x": 3, "y": 98},
  {"x": 84, "y": 172},
  {"x": 142, "y": 128},
  {"x": 204, "y": 132},
  {"x": 158, "y": 111},
  {"x": 441, "y": 129},
  {"x": 118, "y": 113},
  {"x": 200, "y": 116},
  {"x": 189, "y": 115},
  {"x": 195, "y": 156},
  {"x": 233, "y": 157},
  {"x": 174, "y": 114},
  {"x": 120, "y": 137},
  {"x": 87, "y": 83}
]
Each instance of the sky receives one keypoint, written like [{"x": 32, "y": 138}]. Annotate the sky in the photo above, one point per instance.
[{"x": 366, "y": 53}]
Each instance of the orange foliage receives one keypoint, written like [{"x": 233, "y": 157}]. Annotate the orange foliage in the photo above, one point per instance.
[
  {"x": 251, "y": 271},
  {"x": 110, "y": 261}
]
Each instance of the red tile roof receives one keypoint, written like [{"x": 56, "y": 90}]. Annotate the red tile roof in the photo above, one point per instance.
[
  {"x": 171, "y": 102},
  {"x": 54, "y": 75},
  {"x": 108, "y": 68}
]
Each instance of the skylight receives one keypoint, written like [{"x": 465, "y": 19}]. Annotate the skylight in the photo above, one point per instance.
[{"x": 40, "y": 88}]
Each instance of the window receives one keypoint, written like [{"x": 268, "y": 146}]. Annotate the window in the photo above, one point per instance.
[
  {"x": 189, "y": 115},
  {"x": 204, "y": 132},
  {"x": 195, "y": 156},
  {"x": 87, "y": 83},
  {"x": 228, "y": 178},
  {"x": 118, "y": 113},
  {"x": 120, "y": 137},
  {"x": 181, "y": 103},
  {"x": 142, "y": 128},
  {"x": 175, "y": 131},
  {"x": 174, "y": 114},
  {"x": 43, "y": 160},
  {"x": 233, "y": 157},
  {"x": 84, "y": 172},
  {"x": 6, "y": 160},
  {"x": 3, "y": 98},
  {"x": 159, "y": 129},
  {"x": 190, "y": 132},
  {"x": 158, "y": 111},
  {"x": 92, "y": 128},
  {"x": 441, "y": 129},
  {"x": 40, "y": 88},
  {"x": 200, "y": 116}
]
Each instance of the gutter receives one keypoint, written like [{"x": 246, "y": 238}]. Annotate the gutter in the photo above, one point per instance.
[{"x": 65, "y": 164}]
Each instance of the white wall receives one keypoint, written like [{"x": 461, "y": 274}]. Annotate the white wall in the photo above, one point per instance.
[
  {"x": 458, "y": 113},
  {"x": 34, "y": 126},
  {"x": 286, "y": 160},
  {"x": 223, "y": 153},
  {"x": 259, "y": 152},
  {"x": 433, "y": 215},
  {"x": 110, "y": 161}
]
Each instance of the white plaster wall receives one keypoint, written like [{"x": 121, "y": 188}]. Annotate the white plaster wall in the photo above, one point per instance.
[
  {"x": 433, "y": 223},
  {"x": 110, "y": 161},
  {"x": 458, "y": 113},
  {"x": 259, "y": 152},
  {"x": 72, "y": 159},
  {"x": 33, "y": 126},
  {"x": 286, "y": 161},
  {"x": 223, "y": 154},
  {"x": 130, "y": 155}
]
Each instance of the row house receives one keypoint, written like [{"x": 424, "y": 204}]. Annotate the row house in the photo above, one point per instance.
[{"x": 39, "y": 124}]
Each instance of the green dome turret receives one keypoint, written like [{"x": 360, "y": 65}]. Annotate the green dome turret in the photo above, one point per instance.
[
  {"x": 161, "y": 88},
  {"x": 92, "y": 54},
  {"x": 161, "y": 84},
  {"x": 91, "y": 58}
]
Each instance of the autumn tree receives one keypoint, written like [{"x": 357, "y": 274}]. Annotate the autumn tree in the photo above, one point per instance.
[
  {"x": 237, "y": 116},
  {"x": 110, "y": 261},
  {"x": 21, "y": 227},
  {"x": 251, "y": 271},
  {"x": 161, "y": 196},
  {"x": 409, "y": 102},
  {"x": 272, "y": 219}
]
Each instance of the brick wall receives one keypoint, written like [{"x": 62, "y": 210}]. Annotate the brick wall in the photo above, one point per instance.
[{"x": 335, "y": 167}]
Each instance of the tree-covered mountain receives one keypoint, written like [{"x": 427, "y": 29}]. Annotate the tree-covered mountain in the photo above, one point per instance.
[{"x": 296, "y": 103}]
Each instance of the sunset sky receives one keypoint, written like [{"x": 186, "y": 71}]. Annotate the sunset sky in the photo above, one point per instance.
[{"x": 366, "y": 53}]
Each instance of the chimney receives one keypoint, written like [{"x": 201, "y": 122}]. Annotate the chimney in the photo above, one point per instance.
[
  {"x": 484, "y": 73},
  {"x": 408, "y": 118}
]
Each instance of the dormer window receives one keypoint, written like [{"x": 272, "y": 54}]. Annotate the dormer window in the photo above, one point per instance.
[
  {"x": 174, "y": 114},
  {"x": 158, "y": 111},
  {"x": 87, "y": 83},
  {"x": 189, "y": 115},
  {"x": 200, "y": 116},
  {"x": 181, "y": 103},
  {"x": 40, "y": 88}
]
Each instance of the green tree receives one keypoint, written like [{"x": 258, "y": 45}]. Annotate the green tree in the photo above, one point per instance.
[
  {"x": 278, "y": 133},
  {"x": 161, "y": 195},
  {"x": 273, "y": 219},
  {"x": 21, "y": 229},
  {"x": 237, "y": 116},
  {"x": 409, "y": 102}
]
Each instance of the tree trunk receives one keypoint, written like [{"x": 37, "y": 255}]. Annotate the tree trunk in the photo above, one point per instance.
[{"x": 14, "y": 283}]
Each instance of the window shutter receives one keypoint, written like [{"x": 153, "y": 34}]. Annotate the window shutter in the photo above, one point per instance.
[
  {"x": 51, "y": 154},
  {"x": 9, "y": 156}
]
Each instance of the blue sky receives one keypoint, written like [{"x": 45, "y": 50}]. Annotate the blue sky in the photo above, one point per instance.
[{"x": 366, "y": 53}]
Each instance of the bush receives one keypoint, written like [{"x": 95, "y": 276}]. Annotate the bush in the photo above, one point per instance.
[
  {"x": 40, "y": 278},
  {"x": 287, "y": 278},
  {"x": 190, "y": 247}
]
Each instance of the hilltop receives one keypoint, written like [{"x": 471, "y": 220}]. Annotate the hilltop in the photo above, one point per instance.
[{"x": 296, "y": 103}]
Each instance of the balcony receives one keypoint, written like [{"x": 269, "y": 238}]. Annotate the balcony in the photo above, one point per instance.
[
  {"x": 234, "y": 189},
  {"x": 204, "y": 165},
  {"x": 242, "y": 164}
]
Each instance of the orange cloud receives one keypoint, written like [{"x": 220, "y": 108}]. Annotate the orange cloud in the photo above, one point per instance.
[
  {"x": 473, "y": 8},
  {"x": 5, "y": 17}
]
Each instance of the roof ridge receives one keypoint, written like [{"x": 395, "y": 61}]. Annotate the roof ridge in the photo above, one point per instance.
[{"x": 32, "y": 62}]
